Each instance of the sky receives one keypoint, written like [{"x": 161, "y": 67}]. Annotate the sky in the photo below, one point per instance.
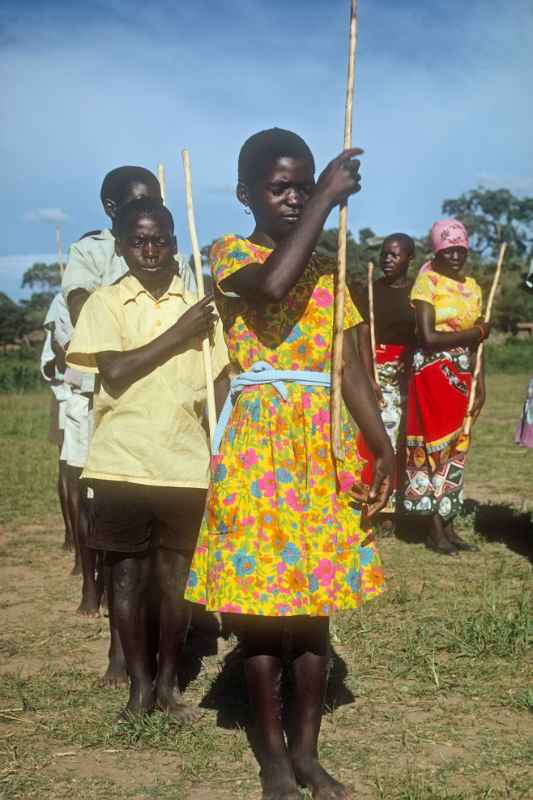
[{"x": 442, "y": 105}]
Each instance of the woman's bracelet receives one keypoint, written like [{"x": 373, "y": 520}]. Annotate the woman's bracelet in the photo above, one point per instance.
[{"x": 482, "y": 333}]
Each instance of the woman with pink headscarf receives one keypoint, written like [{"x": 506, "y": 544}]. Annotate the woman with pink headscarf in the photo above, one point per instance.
[{"x": 449, "y": 328}]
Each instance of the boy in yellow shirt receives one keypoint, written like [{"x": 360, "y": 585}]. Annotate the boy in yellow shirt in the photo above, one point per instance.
[{"x": 148, "y": 463}]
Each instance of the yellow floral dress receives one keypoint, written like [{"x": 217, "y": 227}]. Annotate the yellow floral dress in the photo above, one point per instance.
[{"x": 281, "y": 536}]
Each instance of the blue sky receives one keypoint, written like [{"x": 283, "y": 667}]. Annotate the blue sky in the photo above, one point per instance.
[{"x": 442, "y": 105}]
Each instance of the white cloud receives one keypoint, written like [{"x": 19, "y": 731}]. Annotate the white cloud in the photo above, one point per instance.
[{"x": 55, "y": 215}]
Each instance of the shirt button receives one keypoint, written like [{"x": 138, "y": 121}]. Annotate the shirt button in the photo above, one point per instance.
[{"x": 157, "y": 323}]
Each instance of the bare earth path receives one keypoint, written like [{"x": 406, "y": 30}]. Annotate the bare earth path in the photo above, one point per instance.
[{"x": 431, "y": 693}]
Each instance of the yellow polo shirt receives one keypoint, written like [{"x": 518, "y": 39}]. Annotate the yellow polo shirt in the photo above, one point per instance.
[{"x": 152, "y": 432}]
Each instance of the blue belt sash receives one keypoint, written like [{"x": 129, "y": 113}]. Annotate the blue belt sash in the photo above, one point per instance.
[{"x": 260, "y": 373}]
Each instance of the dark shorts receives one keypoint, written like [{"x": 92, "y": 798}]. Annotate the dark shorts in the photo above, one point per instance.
[{"x": 132, "y": 518}]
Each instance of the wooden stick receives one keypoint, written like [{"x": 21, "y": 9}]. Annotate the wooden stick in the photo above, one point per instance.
[
  {"x": 340, "y": 287},
  {"x": 479, "y": 355},
  {"x": 208, "y": 367},
  {"x": 161, "y": 179},
  {"x": 371, "y": 319},
  {"x": 59, "y": 251}
]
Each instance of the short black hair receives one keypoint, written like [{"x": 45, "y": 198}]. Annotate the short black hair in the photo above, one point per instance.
[
  {"x": 143, "y": 206},
  {"x": 406, "y": 242},
  {"x": 262, "y": 149},
  {"x": 116, "y": 183}
]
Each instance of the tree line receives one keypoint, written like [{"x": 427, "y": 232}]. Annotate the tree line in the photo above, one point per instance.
[{"x": 491, "y": 217}]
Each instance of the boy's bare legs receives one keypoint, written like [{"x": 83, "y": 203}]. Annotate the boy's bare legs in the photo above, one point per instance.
[
  {"x": 116, "y": 674},
  {"x": 62, "y": 490},
  {"x": 131, "y": 576},
  {"x": 73, "y": 496},
  {"x": 90, "y": 592},
  {"x": 310, "y": 652},
  {"x": 170, "y": 577},
  {"x": 262, "y": 639}
]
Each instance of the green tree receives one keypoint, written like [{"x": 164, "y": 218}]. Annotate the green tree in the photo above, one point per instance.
[
  {"x": 46, "y": 277},
  {"x": 13, "y": 324},
  {"x": 493, "y": 216},
  {"x": 34, "y": 309}
]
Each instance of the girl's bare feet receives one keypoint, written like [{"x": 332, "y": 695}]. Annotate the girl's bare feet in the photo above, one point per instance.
[
  {"x": 278, "y": 780},
  {"x": 311, "y": 774}
]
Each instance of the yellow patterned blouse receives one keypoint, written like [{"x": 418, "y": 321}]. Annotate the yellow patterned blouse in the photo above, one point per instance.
[{"x": 457, "y": 305}]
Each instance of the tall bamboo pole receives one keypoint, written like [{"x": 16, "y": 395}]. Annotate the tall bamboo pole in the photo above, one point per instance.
[
  {"x": 371, "y": 321},
  {"x": 208, "y": 367},
  {"x": 338, "y": 329},
  {"x": 59, "y": 251},
  {"x": 161, "y": 179},
  {"x": 479, "y": 355}
]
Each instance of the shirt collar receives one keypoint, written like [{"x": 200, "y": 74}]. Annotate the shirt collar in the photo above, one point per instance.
[{"x": 131, "y": 288}]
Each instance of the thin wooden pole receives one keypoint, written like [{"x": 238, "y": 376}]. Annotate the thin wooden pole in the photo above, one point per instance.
[
  {"x": 371, "y": 321},
  {"x": 479, "y": 356},
  {"x": 208, "y": 367},
  {"x": 340, "y": 288},
  {"x": 59, "y": 251},
  {"x": 161, "y": 179}
]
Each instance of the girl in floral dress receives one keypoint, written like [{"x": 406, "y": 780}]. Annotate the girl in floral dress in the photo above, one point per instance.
[
  {"x": 448, "y": 310},
  {"x": 281, "y": 545}
]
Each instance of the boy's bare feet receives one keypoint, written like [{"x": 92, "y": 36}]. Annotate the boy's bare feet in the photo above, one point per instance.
[
  {"x": 90, "y": 605},
  {"x": 115, "y": 677},
  {"x": 311, "y": 774},
  {"x": 278, "y": 781},
  {"x": 141, "y": 700},
  {"x": 168, "y": 700}
]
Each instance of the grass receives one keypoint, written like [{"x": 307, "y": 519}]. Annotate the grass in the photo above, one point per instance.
[{"x": 430, "y": 694}]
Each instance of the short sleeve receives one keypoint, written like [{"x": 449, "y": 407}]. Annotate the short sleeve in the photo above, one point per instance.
[
  {"x": 359, "y": 297},
  {"x": 47, "y": 355},
  {"x": 478, "y": 300},
  {"x": 81, "y": 271},
  {"x": 352, "y": 317},
  {"x": 187, "y": 275},
  {"x": 229, "y": 255},
  {"x": 97, "y": 330},
  {"x": 424, "y": 288},
  {"x": 219, "y": 351}
]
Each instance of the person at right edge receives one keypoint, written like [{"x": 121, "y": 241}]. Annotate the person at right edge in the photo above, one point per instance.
[{"x": 450, "y": 328}]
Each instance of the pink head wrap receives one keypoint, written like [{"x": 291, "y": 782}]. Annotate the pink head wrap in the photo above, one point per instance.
[{"x": 448, "y": 233}]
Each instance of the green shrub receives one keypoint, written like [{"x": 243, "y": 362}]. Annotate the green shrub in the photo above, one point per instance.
[
  {"x": 19, "y": 372},
  {"x": 512, "y": 355}
]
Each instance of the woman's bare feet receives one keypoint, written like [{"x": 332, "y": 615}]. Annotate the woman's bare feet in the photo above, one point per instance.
[
  {"x": 311, "y": 774},
  {"x": 437, "y": 539},
  {"x": 457, "y": 541}
]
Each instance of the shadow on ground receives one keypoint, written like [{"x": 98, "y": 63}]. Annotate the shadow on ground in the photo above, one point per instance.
[
  {"x": 500, "y": 522},
  {"x": 227, "y": 694},
  {"x": 494, "y": 522}
]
